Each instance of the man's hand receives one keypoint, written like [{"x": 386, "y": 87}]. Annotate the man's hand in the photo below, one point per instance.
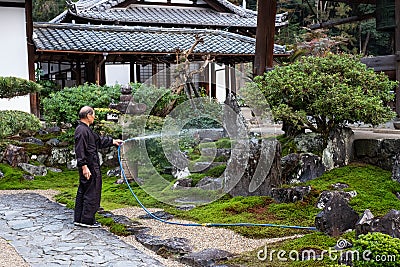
[
  {"x": 86, "y": 172},
  {"x": 117, "y": 142}
]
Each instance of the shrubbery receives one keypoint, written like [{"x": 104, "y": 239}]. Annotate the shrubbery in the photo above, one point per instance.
[
  {"x": 385, "y": 250},
  {"x": 12, "y": 86},
  {"x": 322, "y": 93},
  {"x": 63, "y": 106},
  {"x": 14, "y": 121}
]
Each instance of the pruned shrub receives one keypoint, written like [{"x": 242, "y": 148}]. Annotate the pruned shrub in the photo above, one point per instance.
[
  {"x": 377, "y": 249},
  {"x": 14, "y": 121},
  {"x": 63, "y": 106},
  {"x": 12, "y": 86}
]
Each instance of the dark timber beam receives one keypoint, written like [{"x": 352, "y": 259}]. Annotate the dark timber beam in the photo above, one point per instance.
[
  {"x": 397, "y": 53},
  {"x": 33, "y": 97},
  {"x": 265, "y": 36}
]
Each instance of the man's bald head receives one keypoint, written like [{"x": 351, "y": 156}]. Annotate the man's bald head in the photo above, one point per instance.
[{"x": 86, "y": 110}]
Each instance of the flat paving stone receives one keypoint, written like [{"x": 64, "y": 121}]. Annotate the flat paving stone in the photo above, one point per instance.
[{"x": 43, "y": 233}]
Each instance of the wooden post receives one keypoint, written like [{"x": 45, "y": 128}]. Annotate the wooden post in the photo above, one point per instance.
[
  {"x": 227, "y": 80},
  {"x": 213, "y": 81},
  {"x": 34, "y": 99},
  {"x": 397, "y": 53},
  {"x": 265, "y": 36},
  {"x": 132, "y": 71}
]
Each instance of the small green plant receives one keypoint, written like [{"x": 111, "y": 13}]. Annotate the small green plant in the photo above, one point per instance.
[
  {"x": 14, "y": 121},
  {"x": 379, "y": 249},
  {"x": 216, "y": 171}
]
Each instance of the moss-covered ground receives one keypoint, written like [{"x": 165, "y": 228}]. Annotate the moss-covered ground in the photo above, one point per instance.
[{"x": 374, "y": 187}]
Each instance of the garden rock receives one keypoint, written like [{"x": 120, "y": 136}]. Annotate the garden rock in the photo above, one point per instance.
[
  {"x": 309, "y": 143},
  {"x": 28, "y": 177},
  {"x": 173, "y": 245},
  {"x": 205, "y": 258},
  {"x": 72, "y": 164},
  {"x": 159, "y": 214},
  {"x": 179, "y": 174},
  {"x": 378, "y": 152},
  {"x": 53, "y": 142},
  {"x": 42, "y": 158},
  {"x": 32, "y": 140},
  {"x": 54, "y": 129},
  {"x": 109, "y": 156},
  {"x": 301, "y": 167},
  {"x": 396, "y": 168},
  {"x": 339, "y": 150},
  {"x": 182, "y": 183},
  {"x": 337, "y": 216},
  {"x": 290, "y": 165},
  {"x": 52, "y": 169},
  {"x": 60, "y": 156},
  {"x": 339, "y": 186},
  {"x": 210, "y": 135},
  {"x": 325, "y": 196},
  {"x": 363, "y": 225},
  {"x": 34, "y": 170},
  {"x": 288, "y": 195},
  {"x": 388, "y": 224},
  {"x": 116, "y": 172},
  {"x": 1, "y": 175},
  {"x": 261, "y": 165},
  {"x": 218, "y": 152},
  {"x": 210, "y": 183},
  {"x": 14, "y": 155}
]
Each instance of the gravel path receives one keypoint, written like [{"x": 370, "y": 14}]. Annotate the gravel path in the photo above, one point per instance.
[{"x": 200, "y": 237}]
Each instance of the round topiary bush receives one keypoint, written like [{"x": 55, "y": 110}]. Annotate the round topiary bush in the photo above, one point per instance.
[{"x": 14, "y": 121}]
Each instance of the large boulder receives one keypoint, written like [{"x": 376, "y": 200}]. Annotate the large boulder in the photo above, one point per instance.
[
  {"x": 34, "y": 170},
  {"x": 379, "y": 152},
  {"x": 205, "y": 258},
  {"x": 14, "y": 155},
  {"x": 292, "y": 194},
  {"x": 337, "y": 217},
  {"x": 255, "y": 169},
  {"x": 301, "y": 167},
  {"x": 309, "y": 143},
  {"x": 339, "y": 150},
  {"x": 388, "y": 224}
]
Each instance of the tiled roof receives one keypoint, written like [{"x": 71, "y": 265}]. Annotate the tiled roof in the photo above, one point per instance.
[
  {"x": 137, "y": 39},
  {"x": 170, "y": 15},
  {"x": 105, "y": 10}
]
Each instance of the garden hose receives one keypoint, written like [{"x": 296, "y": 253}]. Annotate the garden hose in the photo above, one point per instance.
[{"x": 199, "y": 224}]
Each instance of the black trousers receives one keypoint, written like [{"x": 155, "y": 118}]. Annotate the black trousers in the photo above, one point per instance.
[{"x": 88, "y": 196}]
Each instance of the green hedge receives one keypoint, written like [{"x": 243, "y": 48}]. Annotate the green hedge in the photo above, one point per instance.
[
  {"x": 12, "y": 86},
  {"x": 64, "y": 105},
  {"x": 14, "y": 121}
]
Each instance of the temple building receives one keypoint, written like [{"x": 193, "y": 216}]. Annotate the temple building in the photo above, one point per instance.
[{"x": 108, "y": 41}]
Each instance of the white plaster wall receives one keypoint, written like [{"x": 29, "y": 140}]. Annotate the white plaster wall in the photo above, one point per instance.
[
  {"x": 13, "y": 53},
  {"x": 117, "y": 74}
]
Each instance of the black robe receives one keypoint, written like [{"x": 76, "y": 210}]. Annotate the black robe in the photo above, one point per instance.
[{"x": 88, "y": 196}]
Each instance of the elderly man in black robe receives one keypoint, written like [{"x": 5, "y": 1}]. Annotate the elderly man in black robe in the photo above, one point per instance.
[{"x": 87, "y": 143}]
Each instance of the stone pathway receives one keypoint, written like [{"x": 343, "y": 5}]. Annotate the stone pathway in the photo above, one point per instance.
[{"x": 42, "y": 232}]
